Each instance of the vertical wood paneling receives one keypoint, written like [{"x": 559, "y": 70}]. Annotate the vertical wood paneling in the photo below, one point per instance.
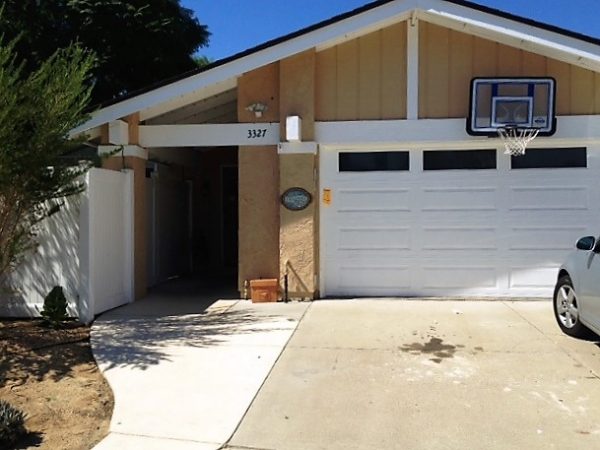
[
  {"x": 460, "y": 73},
  {"x": 347, "y": 81},
  {"x": 326, "y": 92},
  {"x": 393, "y": 72},
  {"x": 369, "y": 76},
  {"x": 534, "y": 65},
  {"x": 509, "y": 61},
  {"x": 438, "y": 87},
  {"x": 484, "y": 58},
  {"x": 582, "y": 91},
  {"x": 365, "y": 78},
  {"x": 423, "y": 69},
  {"x": 562, "y": 74}
]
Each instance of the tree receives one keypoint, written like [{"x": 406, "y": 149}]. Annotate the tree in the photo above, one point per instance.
[
  {"x": 138, "y": 42},
  {"x": 37, "y": 111}
]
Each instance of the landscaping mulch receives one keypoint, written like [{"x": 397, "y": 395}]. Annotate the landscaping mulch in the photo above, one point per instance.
[{"x": 51, "y": 375}]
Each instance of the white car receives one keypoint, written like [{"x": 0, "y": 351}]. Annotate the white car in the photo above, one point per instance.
[{"x": 577, "y": 292}]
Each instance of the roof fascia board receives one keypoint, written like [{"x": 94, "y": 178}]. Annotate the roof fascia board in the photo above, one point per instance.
[
  {"x": 510, "y": 32},
  {"x": 352, "y": 26}
]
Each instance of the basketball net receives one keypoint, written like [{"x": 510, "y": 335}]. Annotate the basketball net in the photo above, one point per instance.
[{"x": 516, "y": 139}]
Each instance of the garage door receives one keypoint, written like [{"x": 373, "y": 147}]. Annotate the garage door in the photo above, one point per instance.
[{"x": 453, "y": 223}]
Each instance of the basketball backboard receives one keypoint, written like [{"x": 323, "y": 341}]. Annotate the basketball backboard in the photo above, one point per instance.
[{"x": 524, "y": 103}]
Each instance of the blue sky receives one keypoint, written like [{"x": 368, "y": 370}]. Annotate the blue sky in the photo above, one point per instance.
[{"x": 240, "y": 24}]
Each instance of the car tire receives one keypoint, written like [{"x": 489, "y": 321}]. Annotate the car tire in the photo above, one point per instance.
[{"x": 566, "y": 308}]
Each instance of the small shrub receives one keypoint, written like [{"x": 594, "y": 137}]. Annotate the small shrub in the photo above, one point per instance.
[
  {"x": 12, "y": 424},
  {"x": 55, "y": 307}
]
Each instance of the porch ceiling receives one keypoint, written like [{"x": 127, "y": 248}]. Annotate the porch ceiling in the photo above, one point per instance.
[{"x": 219, "y": 108}]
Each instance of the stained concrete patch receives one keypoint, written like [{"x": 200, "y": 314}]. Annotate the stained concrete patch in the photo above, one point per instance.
[{"x": 406, "y": 374}]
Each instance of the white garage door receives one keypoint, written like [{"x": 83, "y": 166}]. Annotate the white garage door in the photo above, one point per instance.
[{"x": 453, "y": 223}]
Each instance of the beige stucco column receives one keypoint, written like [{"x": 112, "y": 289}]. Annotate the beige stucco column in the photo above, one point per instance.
[
  {"x": 134, "y": 158},
  {"x": 297, "y": 231},
  {"x": 258, "y": 230}
]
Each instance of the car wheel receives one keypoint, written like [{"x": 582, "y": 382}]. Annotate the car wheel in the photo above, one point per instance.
[{"x": 566, "y": 308}]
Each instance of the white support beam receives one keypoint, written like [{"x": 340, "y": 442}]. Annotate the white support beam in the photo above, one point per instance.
[
  {"x": 118, "y": 132},
  {"x": 444, "y": 133},
  {"x": 412, "y": 67},
  {"x": 291, "y": 148},
  {"x": 210, "y": 135}
]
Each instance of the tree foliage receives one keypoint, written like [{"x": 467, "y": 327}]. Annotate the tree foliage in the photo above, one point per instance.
[
  {"x": 37, "y": 111},
  {"x": 138, "y": 42}
]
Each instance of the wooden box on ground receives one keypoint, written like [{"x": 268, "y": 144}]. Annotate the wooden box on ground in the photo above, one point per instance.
[{"x": 262, "y": 291}]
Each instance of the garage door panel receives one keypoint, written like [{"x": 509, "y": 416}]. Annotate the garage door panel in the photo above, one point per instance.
[
  {"x": 374, "y": 238},
  {"x": 458, "y": 238},
  {"x": 449, "y": 198},
  {"x": 459, "y": 277},
  {"x": 533, "y": 277},
  {"x": 543, "y": 238},
  {"x": 374, "y": 218},
  {"x": 378, "y": 278},
  {"x": 548, "y": 198},
  {"x": 456, "y": 217},
  {"x": 374, "y": 199}
]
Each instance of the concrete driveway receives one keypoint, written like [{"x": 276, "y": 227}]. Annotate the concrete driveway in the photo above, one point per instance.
[{"x": 381, "y": 374}]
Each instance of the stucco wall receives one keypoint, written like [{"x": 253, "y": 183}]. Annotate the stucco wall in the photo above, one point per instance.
[
  {"x": 450, "y": 59},
  {"x": 297, "y": 231},
  {"x": 258, "y": 182}
]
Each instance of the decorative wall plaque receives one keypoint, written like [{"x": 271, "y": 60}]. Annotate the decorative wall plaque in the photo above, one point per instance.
[{"x": 296, "y": 199}]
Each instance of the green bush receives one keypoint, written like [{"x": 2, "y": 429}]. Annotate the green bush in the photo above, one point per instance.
[
  {"x": 12, "y": 424},
  {"x": 55, "y": 307}
]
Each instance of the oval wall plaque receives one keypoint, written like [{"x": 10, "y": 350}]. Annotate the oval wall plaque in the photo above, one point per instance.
[{"x": 296, "y": 199}]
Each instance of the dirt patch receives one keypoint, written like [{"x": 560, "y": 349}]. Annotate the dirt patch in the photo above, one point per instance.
[{"x": 52, "y": 376}]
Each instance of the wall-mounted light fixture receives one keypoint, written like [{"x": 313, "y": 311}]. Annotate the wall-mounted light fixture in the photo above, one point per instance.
[{"x": 257, "y": 108}]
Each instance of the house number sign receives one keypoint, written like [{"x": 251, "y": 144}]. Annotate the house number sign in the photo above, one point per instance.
[
  {"x": 256, "y": 133},
  {"x": 296, "y": 199}
]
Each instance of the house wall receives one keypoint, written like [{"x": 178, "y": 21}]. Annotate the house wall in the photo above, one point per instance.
[
  {"x": 297, "y": 246},
  {"x": 258, "y": 181},
  {"x": 363, "y": 79},
  {"x": 450, "y": 59}
]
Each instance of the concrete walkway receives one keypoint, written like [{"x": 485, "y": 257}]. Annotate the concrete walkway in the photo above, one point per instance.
[{"x": 185, "y": 366}]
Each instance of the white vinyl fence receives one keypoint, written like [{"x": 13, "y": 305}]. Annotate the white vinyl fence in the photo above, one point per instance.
[{"x": 86, "y": 247}]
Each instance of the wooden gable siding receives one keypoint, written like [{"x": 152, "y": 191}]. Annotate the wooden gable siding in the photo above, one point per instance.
[
  {"x": 363, "y": 79},
  {"x": 450, "y": 59}
]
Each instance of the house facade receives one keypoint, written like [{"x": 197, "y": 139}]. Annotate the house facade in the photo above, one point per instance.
[{"x": 338, "y": 158}]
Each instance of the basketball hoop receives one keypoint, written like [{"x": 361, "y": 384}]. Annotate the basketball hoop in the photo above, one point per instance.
[{"x": 516, "y": 139}]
